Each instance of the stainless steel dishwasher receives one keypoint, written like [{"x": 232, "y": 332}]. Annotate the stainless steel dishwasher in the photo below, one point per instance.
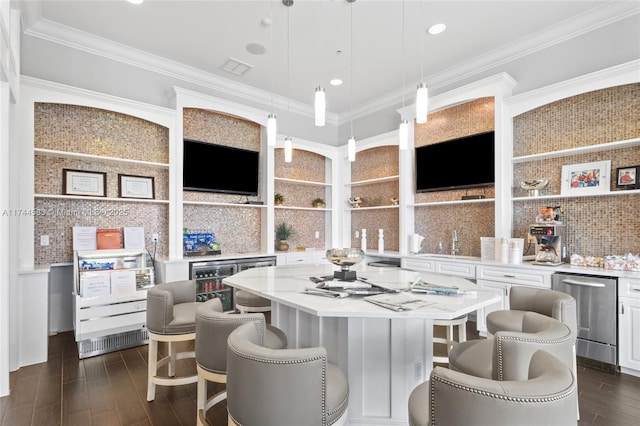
[{"x": 596, "y": 301}]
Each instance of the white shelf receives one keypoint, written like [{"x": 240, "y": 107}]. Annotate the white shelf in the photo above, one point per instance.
[
  {"x": 89, "y": 198},
  {"x": 446, "y": 203},
  {"x": 372, "y": 181},
  {"x": 213, "y": 203},
  {"x": 324, "y": 209},
  {"x": 374, "y": 208},
  {"x": 301, "y": 182},
  {"x": 65, "y": 154},
  {"x": 555, "y": 196},
  {"x": 575, "y": 151}
]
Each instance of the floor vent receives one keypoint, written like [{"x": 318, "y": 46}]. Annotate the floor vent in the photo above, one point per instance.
[{"x": 114, "y": 342}]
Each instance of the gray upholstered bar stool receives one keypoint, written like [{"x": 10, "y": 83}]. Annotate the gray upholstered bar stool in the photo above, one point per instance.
[
  {"x": 213, "y": 328},
  {"x": 267, "y": 387},
  {"x": 247, "y": 302},
  {"x": 546, "y": 396},
  {"x": 461, "y": 324},
  {"x": 171, "y": 318}
]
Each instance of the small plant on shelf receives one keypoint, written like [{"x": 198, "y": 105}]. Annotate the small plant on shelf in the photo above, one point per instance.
[
  {"x": 278, "y": 199},
  {"x": 318, "y": 203}
]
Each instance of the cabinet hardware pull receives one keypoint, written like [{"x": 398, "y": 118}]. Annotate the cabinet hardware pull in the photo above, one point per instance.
[
  {"x": 508, "y": 276},
  {"x": 582, "y": 283},
  {"x": 622, "y": 309}
]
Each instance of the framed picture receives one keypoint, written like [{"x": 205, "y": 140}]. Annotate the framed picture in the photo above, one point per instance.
[
  {"x": 586, "y": 178},
  {"x": 628, "y": 177},
  {"x": 130, "y": 186},
  {"x": 83, "y": 182}
]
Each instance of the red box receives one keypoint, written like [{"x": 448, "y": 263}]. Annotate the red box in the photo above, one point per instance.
[{"x": 109, "y": 239}]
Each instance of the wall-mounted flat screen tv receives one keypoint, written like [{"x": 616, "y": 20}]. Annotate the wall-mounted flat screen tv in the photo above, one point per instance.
[
  {"x": 467, "y": 162},
  {"x": 218, "y": 168}
]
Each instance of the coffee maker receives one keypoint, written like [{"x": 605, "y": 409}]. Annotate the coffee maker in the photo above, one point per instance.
[{"x": 549, "y": 250}]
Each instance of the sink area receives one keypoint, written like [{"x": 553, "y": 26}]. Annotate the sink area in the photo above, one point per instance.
[{"x": 448, "y": 256}]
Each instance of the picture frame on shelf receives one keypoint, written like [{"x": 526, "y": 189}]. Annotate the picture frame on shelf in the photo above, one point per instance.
[
  {"x": 586, "y": 178},
  {"x": 131, "y": 186},
  {"x": 627, "y": 177},
  {"x": 84, "y": 182}
]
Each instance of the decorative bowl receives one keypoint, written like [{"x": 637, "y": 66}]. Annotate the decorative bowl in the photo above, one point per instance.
[
  {"x": 345, "y": 258},
  {"x": 533, "y": 186}
]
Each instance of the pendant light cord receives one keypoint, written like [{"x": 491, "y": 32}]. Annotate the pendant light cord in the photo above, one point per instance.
[{"x": 351, "y": 61}]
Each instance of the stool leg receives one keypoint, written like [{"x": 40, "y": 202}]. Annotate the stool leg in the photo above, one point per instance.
[
  {"x": 449, "y": 338},
  {"x": 172, "y": 359},
  {"x": 462, "y": 332},
  {"x": 152, "y": 369}
]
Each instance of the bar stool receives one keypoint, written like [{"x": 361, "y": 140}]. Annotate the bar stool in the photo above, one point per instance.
[
  {"x": 461, "y": 323},
  {"x": 213, "y": 328},
  {"x": 171, "y": 318},
  {"x": 248, "y": 302}
]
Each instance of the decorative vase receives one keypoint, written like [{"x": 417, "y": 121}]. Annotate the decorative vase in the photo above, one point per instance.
[{"x": 283, "y": 245}]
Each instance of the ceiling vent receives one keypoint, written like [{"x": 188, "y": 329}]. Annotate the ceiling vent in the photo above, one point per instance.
[{"x": 237, "y": 67}]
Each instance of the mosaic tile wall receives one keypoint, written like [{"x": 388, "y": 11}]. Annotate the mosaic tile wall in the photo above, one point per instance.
[
  {"x": 593, "y": 226},
  {"x": 305, "y": 166},
  {"x": 376, "y": 163},
  {"x": 94, "y": 131},
  {"x": 470, "y": 220}
]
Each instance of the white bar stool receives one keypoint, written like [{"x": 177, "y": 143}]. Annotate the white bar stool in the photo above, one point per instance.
[{"x": 461, "y": 323}]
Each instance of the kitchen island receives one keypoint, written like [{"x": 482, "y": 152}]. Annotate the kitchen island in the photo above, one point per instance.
[{"x": 384, "y": 353}]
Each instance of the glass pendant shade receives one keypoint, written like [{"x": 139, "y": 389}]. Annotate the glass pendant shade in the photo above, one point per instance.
[
  {"x": 351, "y": 149},
  {"x": 320, "y": 104},
  {"x": 272, "y": 130},
  {"x": 288, "y": 149},
  {"x": 403, "y": 134},
  {"x": 422, "y": 103}
]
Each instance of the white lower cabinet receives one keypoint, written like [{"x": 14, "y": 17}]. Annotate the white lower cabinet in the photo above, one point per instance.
[
  {"x": 629, "y": 325},
  {"x": 500, "y": 279},
  {"x": 301, "y": 257}
]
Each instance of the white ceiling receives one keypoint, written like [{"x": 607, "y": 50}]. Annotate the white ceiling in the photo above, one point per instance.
[{"x": 389, "y": 49}]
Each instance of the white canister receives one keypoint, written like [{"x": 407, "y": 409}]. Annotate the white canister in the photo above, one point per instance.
[
  {"x": 504, "y": 250},
  {"x": 515, "y": 254}
]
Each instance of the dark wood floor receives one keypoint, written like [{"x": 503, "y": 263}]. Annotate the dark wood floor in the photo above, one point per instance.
[{"x": 110, "y": 389}]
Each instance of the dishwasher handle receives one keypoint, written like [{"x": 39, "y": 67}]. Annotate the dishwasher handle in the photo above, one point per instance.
[{"x": 581, "y": 283}]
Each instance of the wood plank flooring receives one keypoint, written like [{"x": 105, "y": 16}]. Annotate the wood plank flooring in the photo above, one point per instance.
[{"x": 110, "y": 390}]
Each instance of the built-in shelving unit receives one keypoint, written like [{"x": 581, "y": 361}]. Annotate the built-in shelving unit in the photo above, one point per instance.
[
  {"x": 373, "y": 181},
  {"x": 86, "y": 198},
  {"x": 221, "y": 204},
  {"x": 555, "y": 196},
  {"x": 445, "y": 203},
  {"x": 301, "y": 182},
  {"x": 373, "y": 208}
]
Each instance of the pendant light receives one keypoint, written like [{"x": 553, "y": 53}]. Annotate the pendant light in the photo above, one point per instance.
[
  {"x": 288, "y": 142},
  {"x": 351, "y": 143},
  {"x": 272, "y": 125},
  {"x": 422, "y": 94},
  {"x": 320, "y": 104},
  {"x": 403, "y": 130}
]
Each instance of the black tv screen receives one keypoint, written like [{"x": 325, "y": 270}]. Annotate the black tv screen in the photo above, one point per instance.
[
  {"x": 219, "y": 168},
  {"x": 467, "y": 162}
]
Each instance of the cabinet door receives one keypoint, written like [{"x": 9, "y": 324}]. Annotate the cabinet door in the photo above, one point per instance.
[
  {"x": 629, "y": 333},
  {"x": 502, "y": 290}
]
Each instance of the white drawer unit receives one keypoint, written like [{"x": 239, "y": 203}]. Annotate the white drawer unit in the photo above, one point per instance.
[
  {"x": 465, "y": 270},
  {"x": 422, "y": 265},
  {"x": 629, "y": 325},
  {"x": 302, "y": 257}
]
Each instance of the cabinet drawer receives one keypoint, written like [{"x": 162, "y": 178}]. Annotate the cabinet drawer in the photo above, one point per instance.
[
  {"x": 515, "y": 276},
  {"x": 423, "y": 265},
  {"x": 103, "y": 311},
  {"x": 465, "y": 270},
  {"x": 110, "y": 325},
  {"x": 629, "y": 287},
  {"x": 293, "y": 258}
]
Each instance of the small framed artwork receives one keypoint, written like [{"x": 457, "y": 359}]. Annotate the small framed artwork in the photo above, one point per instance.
[
  {"x": 586, "y": 178},
  {"x": 83, "y": 182},
  {"x": 628, "y": 177},
  {"x": 130, "y": 186}
]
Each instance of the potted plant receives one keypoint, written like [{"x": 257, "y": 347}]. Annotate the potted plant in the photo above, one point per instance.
[
  {"x": 318, "y": 203},
  {"x": 283, "y": 233},
  {"x": 278, "y": 199}
]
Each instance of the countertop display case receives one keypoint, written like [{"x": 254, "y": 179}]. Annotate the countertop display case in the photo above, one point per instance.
[{"x": 110, "y": 299}]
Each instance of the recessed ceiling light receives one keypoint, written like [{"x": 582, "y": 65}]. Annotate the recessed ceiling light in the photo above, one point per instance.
[
  {"x": 335, "y": 82},
  {"x": 135, "y": 1},
  {"x": 255, "y": 49},
  {"x": 437, "y": 29}
]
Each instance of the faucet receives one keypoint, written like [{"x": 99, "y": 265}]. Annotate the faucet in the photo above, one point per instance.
[{"x": 454, "y": 243}]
